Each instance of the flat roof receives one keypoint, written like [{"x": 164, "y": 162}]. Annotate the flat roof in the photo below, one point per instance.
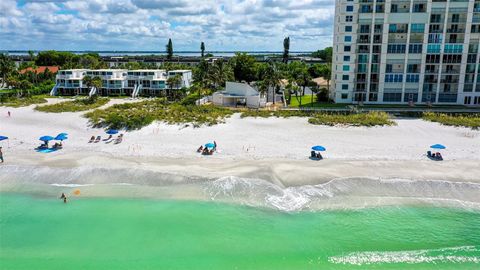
[{"x": 146, "y": 70}]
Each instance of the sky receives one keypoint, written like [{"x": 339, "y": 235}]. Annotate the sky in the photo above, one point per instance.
[{"x": 140, "y": 25}]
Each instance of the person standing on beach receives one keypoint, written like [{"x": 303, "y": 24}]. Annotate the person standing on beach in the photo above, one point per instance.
[
  {"x": 9, "y": 114},
  {"x": 1, "y": 154}
]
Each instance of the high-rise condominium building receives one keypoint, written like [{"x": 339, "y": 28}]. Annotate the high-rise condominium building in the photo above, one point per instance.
[{"x": 407, "y": 51}]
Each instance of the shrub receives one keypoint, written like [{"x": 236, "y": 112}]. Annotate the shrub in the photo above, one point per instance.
[
  {"x": 471, "y": 120},
  {"x": 140, "y": 114},
  {"x": 77, "y": 105},
  {"x": 21, "y": 102},
  {"x": 331, "y": 119},
  {"x": 362, "y": 119}
]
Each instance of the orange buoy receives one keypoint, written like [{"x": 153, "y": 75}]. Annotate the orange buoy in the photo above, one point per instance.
[{"x": 76, "y": 192}]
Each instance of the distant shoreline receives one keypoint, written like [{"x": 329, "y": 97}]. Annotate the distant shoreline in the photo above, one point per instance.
[{"x": 179, "y": 53}]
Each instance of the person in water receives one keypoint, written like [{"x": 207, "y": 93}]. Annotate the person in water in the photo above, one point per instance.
[{"x": 63, "y": 197}]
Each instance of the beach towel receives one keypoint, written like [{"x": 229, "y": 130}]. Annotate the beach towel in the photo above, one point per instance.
[{"x": 46, "y": 151}]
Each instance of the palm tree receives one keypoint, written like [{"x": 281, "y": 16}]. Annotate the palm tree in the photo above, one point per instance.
[
  {"x": 169, "y": 49},
  {"x": 201, "y": 75},
  {"x": 219, "y": 73},
  {"x": 272, "y": 78},
  {"x": 286, "y": 49},
  {"x": 173, "y": 82},
  {"x": 6, "y": 68},
  {"x": 202, "y": 48},
  {"x": 93, "y": 82},
  {"x": 299, "y": 76}
]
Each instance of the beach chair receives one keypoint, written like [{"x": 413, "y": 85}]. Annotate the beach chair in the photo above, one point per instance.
[
  {"x": 92, "y": 139},
  {"x": 429, "y": 153},
  {"x": 312, "y": 154},
  {"x": 98, "y": 139},
  {"x": 119, "y": 139}
]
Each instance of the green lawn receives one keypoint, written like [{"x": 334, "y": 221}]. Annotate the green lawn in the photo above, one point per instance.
[{"x": 307, "y": 102}]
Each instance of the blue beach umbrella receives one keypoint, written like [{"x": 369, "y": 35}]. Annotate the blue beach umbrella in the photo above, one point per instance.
[
  {"x": 63, "y": 134},
  {"x": 112, "y": 131},
  {"x": 209, "y": 145},
  {"x": 3, "y": 138},
  {"x": 438, "y": 146},
  {"x": 46, "y": 138},
  {"x": 319, "y": 148},
  {"x": 61, "y": 137}
]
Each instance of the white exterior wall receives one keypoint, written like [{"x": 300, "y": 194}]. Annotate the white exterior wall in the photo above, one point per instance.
[
  {"x": 447, "y": 88},
  {"x": 117, "y": 78}
]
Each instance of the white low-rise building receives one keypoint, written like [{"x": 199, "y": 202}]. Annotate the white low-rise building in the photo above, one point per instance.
[
  {"x": 119, "y": 82},
  {"x": 239, "y": 94}
]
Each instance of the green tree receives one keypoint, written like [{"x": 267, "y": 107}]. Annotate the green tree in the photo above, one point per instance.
[
  {"x": 243, "y": 67},
  {"x": 286, "y": 49},
  {"x": 200, "y": 75},
  {"x": 169, "y": 49},
  {"x": 202, "y": 49},
  {"x": 173, "y": 82},
  {"x": 325, "y": 54},
  {"x": 219, "y": 73},
  {"x": 270, "y": 77},
  {"x": 299, "y": 79},
  {"x": 322, "y": 70},
  {"x": 7, "y": 66},
  {"x": 93, "y": 82}
]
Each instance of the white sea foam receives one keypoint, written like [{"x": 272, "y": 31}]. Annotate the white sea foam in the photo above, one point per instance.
[
  {"x": 70, "y": 185},
  {"x": 337, "y": 193},
  {"x": 463, "y": 254},
  {"x": 347, "y": 192}
]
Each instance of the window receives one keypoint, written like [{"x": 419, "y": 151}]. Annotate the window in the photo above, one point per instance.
[
  {"x": 346, "y": 68},
  {"x": 346, "y": 58},
  {"x": 388, "y": 68},
  {"x": 418, "y": 28},
  {"x": 348, "y": 28},
  {"x": 393, "y": 78},
  {"x": 392, "y": 97},
  {"x": 433, "y": 48},
  {"x": 363, "y": 58},
  {"x": 412, "y": 78},
  {"x": 453, "y": 48},
  {"x": 413, "y": 68},
  {"x": 344, "y": 96},
  {"x": 349, "y": 8},
  {"x": 348, "y": 38},
  {"x": 396, "y": 48},
  {"x": 344, "y": 86},
  {"x": 415, "y": 48},
  {"x": 349, "y": 18},
  {"x": 345, "y": 77},
  {"x": 347, "y": 48}
]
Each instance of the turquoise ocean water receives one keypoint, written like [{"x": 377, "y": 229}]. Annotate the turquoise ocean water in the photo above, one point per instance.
[{"x": 40, "y": 232}]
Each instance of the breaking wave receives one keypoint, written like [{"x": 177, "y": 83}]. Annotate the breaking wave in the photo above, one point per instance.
[
  {"x": 345, "y": 193},
  {"x": 463, "y": 254}
]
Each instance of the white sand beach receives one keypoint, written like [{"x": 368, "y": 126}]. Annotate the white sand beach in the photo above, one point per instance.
[{"x": 273, "y": 149}]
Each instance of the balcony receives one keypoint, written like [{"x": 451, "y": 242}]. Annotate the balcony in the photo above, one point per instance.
[{"x": 456, "y": 30}]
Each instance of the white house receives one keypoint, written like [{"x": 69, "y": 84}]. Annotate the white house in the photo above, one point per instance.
[
  {"x": 239, "y": 94},
  {"x": 119, "y": 82},
  {"x": 186, "y": 77}
]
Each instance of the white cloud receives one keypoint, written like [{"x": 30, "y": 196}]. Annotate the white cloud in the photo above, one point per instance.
[{"x": 147, "y": 24}]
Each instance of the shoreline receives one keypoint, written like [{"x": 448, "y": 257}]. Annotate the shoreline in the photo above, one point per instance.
[{"x": 283, "y": 172}]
